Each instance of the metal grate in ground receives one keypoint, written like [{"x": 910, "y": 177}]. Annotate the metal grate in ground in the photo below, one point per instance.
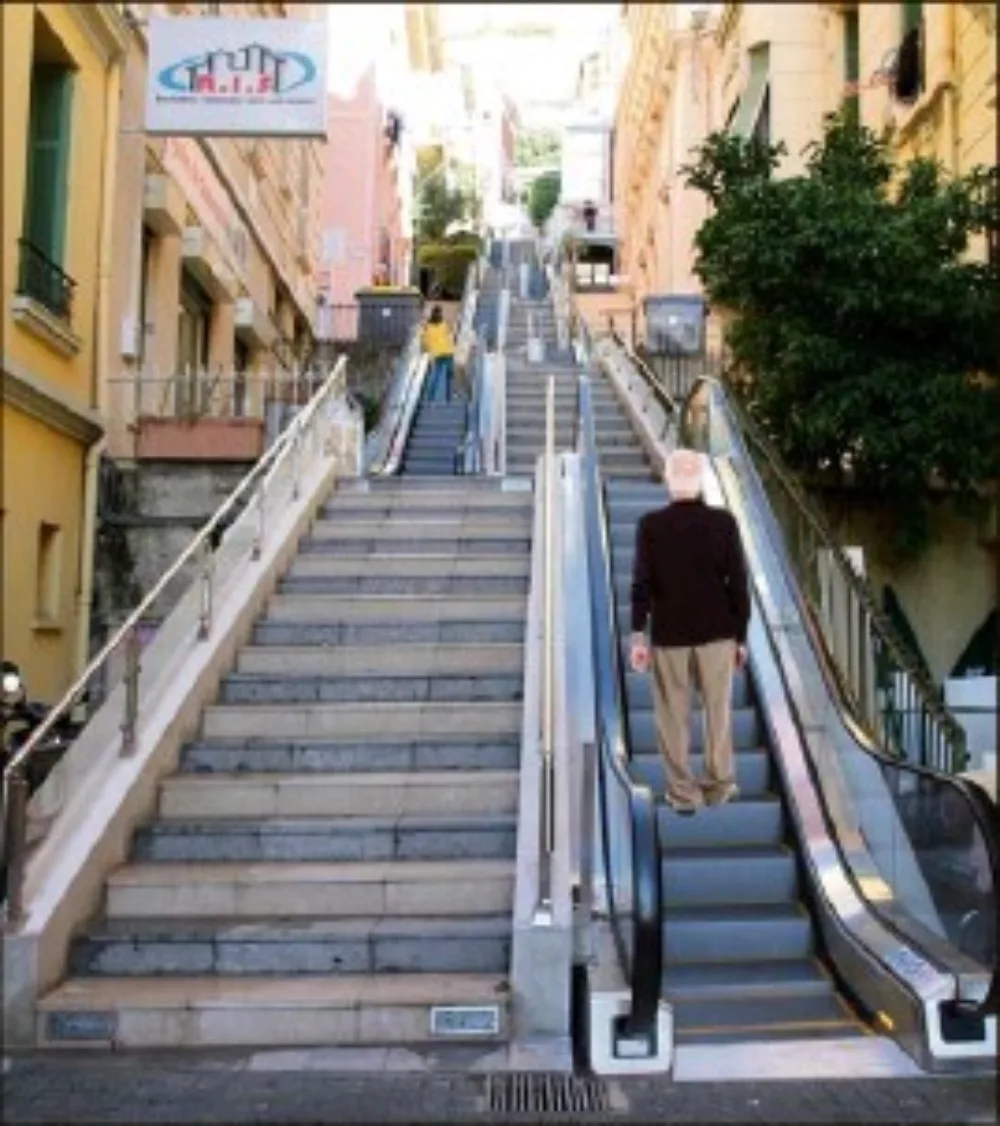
[{"x": 537, "y": 1095}]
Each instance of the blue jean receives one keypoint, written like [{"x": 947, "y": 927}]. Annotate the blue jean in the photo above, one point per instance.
[{"x": 439, "y": 379}]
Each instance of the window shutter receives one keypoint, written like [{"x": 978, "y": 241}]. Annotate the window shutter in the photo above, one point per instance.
[{"x": 48, "y": 160}]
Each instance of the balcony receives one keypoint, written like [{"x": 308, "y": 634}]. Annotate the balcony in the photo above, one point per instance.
[
  {"x": 45, "y": 282},
  {"x": 43, "y": 301}
]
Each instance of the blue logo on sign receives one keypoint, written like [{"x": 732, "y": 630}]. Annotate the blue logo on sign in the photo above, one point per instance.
[{"x": 253, "y": 70}]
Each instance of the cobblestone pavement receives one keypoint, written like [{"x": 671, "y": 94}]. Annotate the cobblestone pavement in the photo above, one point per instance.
[{"x": 77, "y": 1089}]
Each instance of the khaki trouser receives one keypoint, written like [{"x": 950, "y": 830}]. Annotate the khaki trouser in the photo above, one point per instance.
[{"x": 713, "y": 664}]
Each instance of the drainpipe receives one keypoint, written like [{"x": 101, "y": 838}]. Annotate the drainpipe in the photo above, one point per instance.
[{"x": 99, "y": 367}]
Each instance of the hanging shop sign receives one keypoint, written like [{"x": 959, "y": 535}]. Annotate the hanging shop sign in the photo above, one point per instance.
[{"x": 236, "y": 77}]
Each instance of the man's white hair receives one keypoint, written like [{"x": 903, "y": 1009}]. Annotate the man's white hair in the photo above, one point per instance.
[{"x": 684, "y": 474}]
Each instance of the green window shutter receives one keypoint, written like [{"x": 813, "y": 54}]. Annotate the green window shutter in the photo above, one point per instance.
[
  {"x": 852, "y": 64},
  {"x": 912, "y": 15},
  {"x": 48, "y": 160},
  {"x": 852, "y": 49}
]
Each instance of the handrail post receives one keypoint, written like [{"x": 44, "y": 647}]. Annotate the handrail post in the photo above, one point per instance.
[
  {"x": 206, "y": 567},
  {"x": 546, "y": 789},
  {"x": 258, "y": 535},
  {"x": 296, "y": 460},
  {"x": 132, "y": 669},
  {"x": 15, "y": 837}
]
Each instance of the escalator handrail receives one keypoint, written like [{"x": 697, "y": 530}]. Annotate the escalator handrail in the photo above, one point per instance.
[
  {"x": 666, "y": 400},
  {"x": 982, "y": 809},
  {"x": 385, "y": 445},
  {"x": 643, "y": 962},
  {"x": 746, "y": 428},
  {"x": 469, "y": 453}
]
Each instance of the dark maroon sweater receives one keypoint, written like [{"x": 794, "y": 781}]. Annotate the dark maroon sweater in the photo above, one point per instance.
[{"x": 690, "y": 575}]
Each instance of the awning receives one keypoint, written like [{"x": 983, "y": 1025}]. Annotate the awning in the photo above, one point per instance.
[{"x": 752, "y": 98}]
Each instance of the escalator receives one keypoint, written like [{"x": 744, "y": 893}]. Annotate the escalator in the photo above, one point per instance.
[
  {"x": 741, "y": 959},
  {"x": 776, "y": 923}
]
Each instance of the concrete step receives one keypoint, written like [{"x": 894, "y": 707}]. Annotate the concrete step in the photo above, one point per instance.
[
  {"x": 285, "y": 947},
  {"x": 515, "y": 526},
  {"x": 457, "y": 752},
  {"x": 737, "y": 934},
  {"x": 311, "y": 890},
  {"x": 371, "y": 794},
  {"x": 258, "y": 840},
  {"x": 354, "y": 721},
  {"x": 203, "y": 1012},
  {"x": 469, "y": 488},
  {"x": 378, "y": 660},
  {"x": 256, "y": 688},
  {"x": 404, "y": 584},
  {"x": 414, "y": 471},
  {"x": 402, "y": 564},
  {"x": 295, "y": 633},
  {"x": 395, "y": 609},
  {"x": 724, "y": 876},
  {"x": 433, "y": 502}
]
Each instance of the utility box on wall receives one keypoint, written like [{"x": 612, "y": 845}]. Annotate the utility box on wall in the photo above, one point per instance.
[
  {"x": 387, "y": 316},
  {"x": 675, "y": 325}
]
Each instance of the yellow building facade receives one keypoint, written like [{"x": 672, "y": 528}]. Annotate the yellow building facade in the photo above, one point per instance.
[{"x": 61, "y": 81}]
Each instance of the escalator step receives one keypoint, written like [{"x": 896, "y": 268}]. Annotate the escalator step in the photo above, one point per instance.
[{"x": 754, "y": 1017}]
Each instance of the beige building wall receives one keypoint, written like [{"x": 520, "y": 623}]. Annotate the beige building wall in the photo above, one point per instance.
[
  {"x": 216, "y": 250},
  {"x": 798, "y": 42}
]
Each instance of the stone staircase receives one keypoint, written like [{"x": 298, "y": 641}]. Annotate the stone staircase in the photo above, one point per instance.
[
  {"x": 434, "y": 440},
  {"x": 335, "y": 854}
]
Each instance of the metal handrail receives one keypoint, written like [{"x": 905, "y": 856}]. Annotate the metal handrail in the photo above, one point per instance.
[
  {"x": 640, "y": 952},
  {"x": 378, "y": 443},
  {"x": 203, "y": 546},
  {"x": 982, "y": 809},
  {"x": 881, "y": 644},
  {"x": 547, "y": 835},
  {"x": 880, "y": 637},
  {"x": 393, "y": 460}
]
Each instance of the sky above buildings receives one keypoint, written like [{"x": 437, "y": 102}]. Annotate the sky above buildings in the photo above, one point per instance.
[{"x": 538, "y": 66}]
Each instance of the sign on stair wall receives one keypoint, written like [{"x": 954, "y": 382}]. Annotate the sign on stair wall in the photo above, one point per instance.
[{"x": 224, "y": 76}]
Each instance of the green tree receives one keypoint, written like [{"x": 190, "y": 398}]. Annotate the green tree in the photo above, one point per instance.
[
  {"x": 535, "y": 147},
  {"x": 543, "y": 195},
  {"x": 438, "y": 204},
  {"x": 863, "y": 337}
]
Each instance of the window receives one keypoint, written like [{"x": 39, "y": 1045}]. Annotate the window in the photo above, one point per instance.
[
  {"x": 852, "y": 63},
  {"x": 145, "y": 267},
  {"x": 41, "y": 275},
  {"x": 762, "y": 128},
  {"x": 48, "y": 575},
  {"x": 912, "y": 17},
  {"x": 194, "y": 324},
  {"x": 909, "y": 79},
  {"x": 48, "y": 160}
]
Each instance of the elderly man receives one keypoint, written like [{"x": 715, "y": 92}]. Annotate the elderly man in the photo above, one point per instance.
[{"x": 690, "y": 579}]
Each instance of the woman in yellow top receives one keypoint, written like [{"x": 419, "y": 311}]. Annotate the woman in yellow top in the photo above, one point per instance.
[{"x": 439, "y": 344}]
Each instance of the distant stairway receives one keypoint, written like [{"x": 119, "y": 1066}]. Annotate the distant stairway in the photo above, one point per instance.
[
  {"x": 741, "y": 956},
  {"x": 434, "y": 439},
  {"x": 335, "y": 854}
]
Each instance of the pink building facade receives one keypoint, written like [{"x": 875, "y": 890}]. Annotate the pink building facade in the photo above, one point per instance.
[{"x": 366, "y": 226}]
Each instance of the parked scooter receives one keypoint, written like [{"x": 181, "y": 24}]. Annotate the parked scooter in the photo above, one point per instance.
[{"x": 20, "y": 718}]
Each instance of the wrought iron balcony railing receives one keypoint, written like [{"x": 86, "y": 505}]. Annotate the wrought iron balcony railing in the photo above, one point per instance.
[{"x": 42, "y": 280}]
